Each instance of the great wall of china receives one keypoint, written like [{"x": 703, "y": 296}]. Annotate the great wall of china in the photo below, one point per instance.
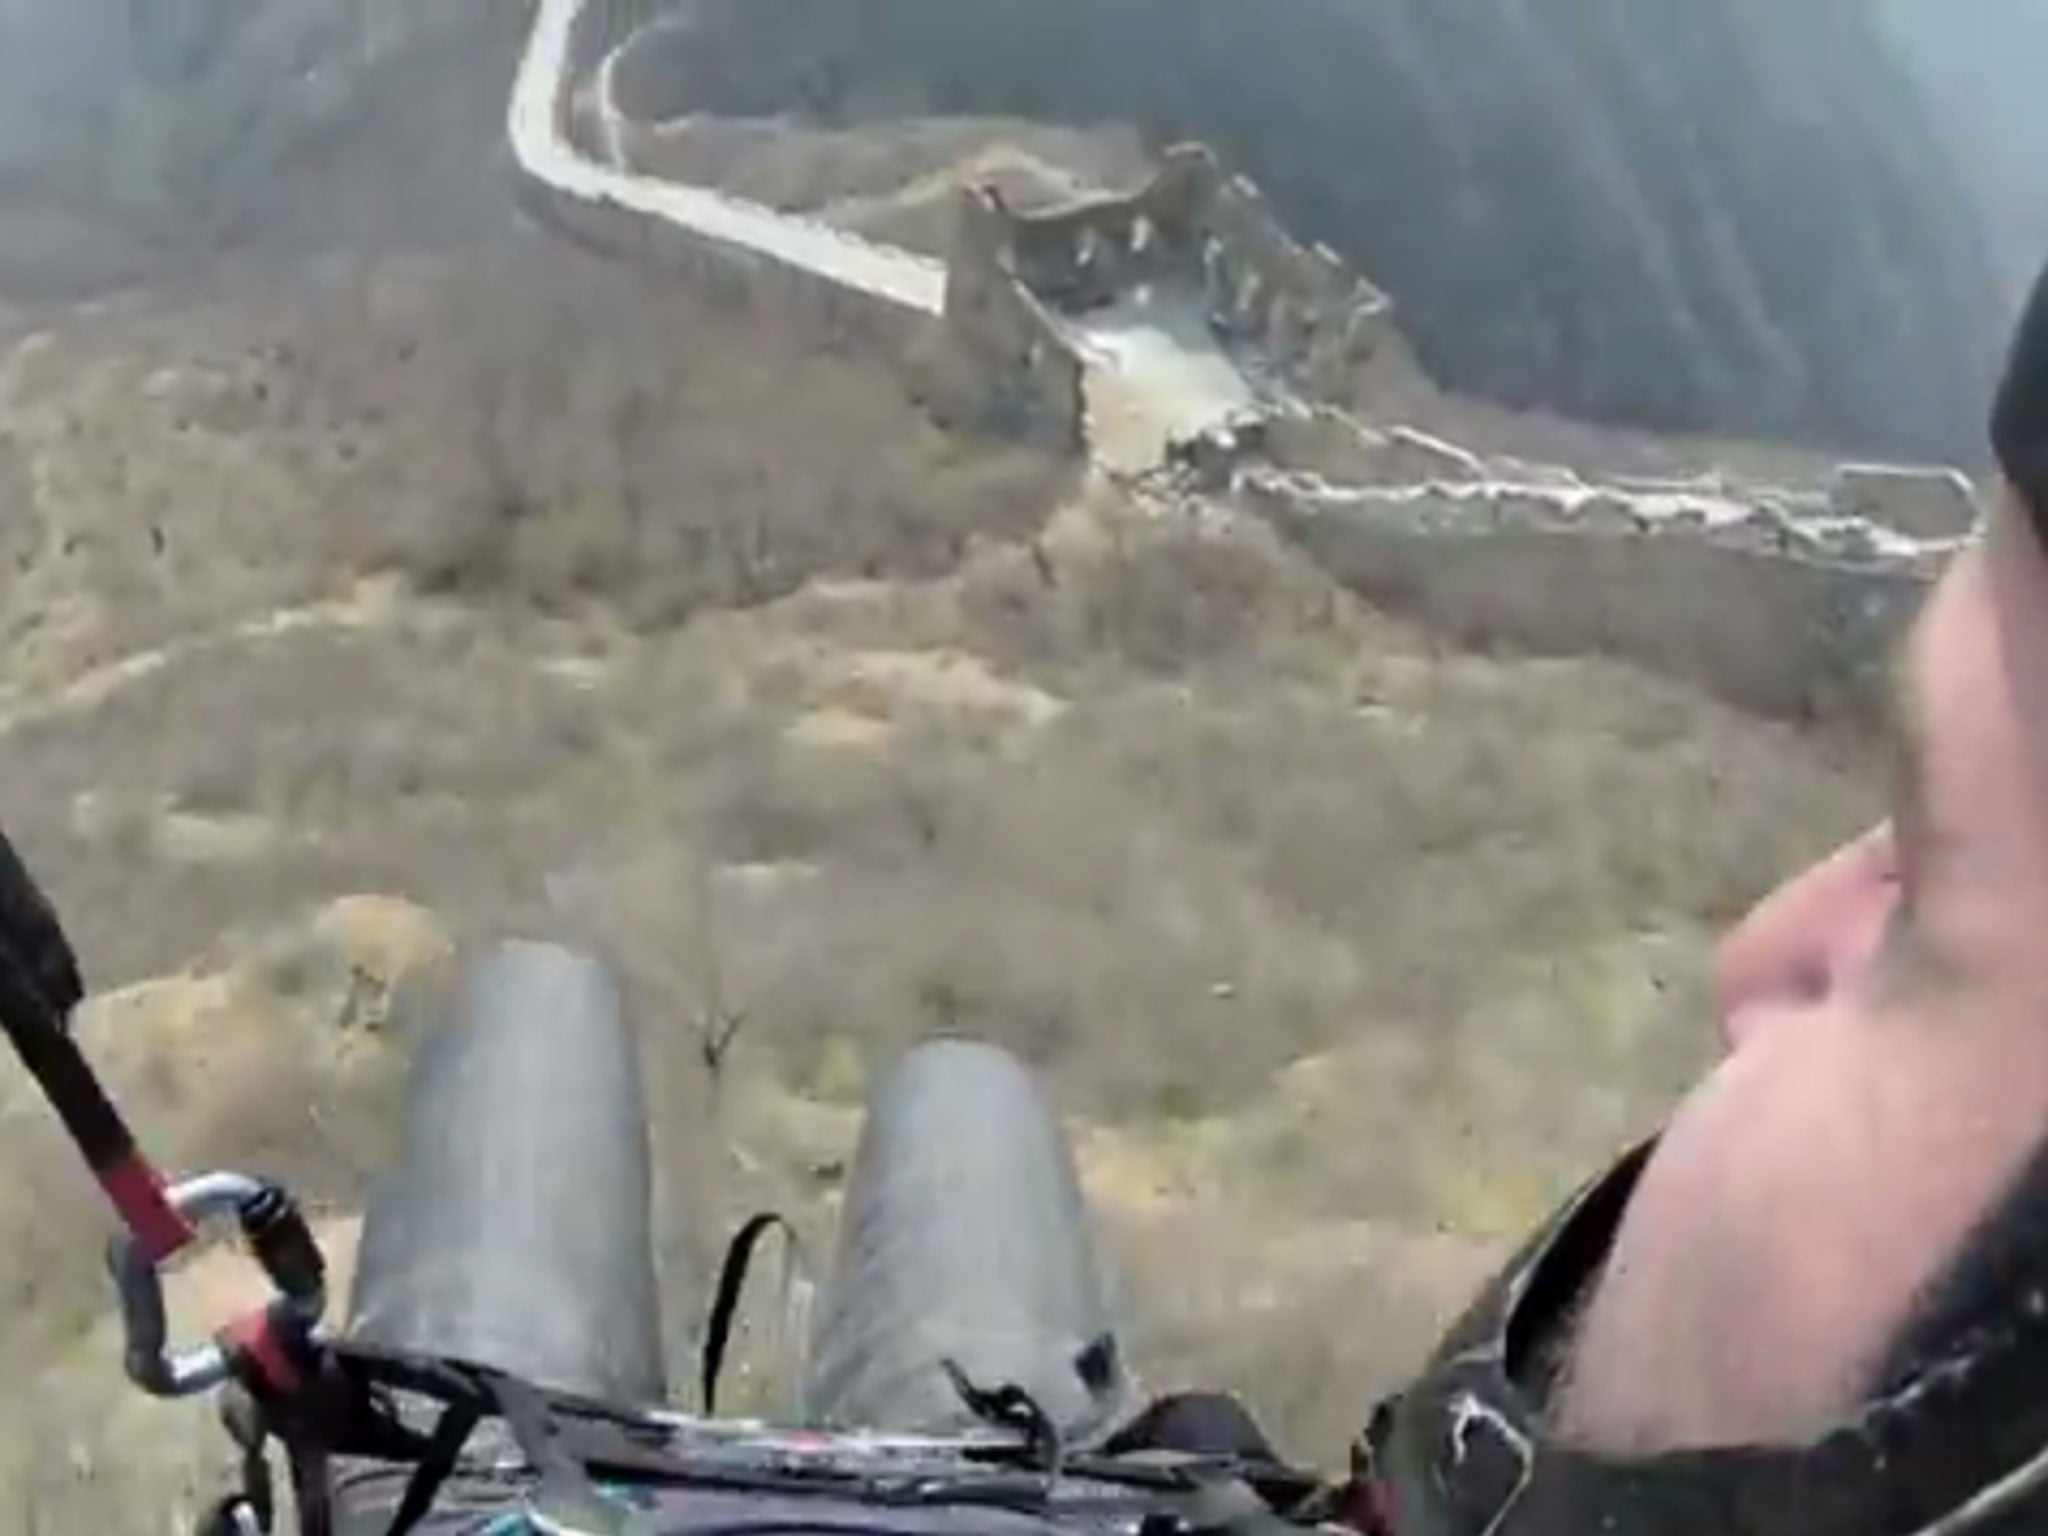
[{"x": 1180, "y": 338}]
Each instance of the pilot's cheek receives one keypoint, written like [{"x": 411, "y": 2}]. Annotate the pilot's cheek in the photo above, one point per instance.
[{"x": 1799, "y": 944}]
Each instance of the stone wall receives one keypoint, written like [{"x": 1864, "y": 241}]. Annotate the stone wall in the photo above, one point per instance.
[
  {"x": 986, "y": 353},
  {"x": 1930, "y": 503},
  {"x": 1790, "y": 606},
  {"x": 857, "y": 292},
  {"x": 1342, "y": 449},
  {"x": 1774, "y": 614},
  {"x": 1093, "y": 250},
  {"x": 1006, "y": 365},
  {"x": 1300, "y": 309},
  {"x": 1002, "y": 360}
]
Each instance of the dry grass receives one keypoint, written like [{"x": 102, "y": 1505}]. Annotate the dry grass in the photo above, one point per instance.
[
  {"x": 529, "y": 425},
  {"x": 1333, "y": 934},
  {"x": 1345, "y": 954}
]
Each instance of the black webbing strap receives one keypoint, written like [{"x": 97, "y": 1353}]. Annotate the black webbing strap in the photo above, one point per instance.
[
  {"x": 312, "y": 1489},
  {"x": 40, "y": 987},
  {"x": 732, "y": 1279},
  {"x": 1009, "y": 1406},
  {"x": 35, "y": 934},
  {"x": 458, "y": 1421},
  {"x": 36, "y": 1028}
]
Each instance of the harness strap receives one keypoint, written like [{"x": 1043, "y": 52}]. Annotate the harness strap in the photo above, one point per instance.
[
  {"x": 312, "y": 1490},
  {"x": 435, "y": 1466},
  {"x": 35, "y": 1026},
  {"x": 250, "y": 1510},
  {"x": 1009, "y": 1406},
  {"x": 342, "y": 1407},
  {"x": 732, "y": 1279}
]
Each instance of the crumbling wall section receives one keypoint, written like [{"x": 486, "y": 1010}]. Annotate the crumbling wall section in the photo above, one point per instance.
[
  {"x": 1299, "y": 309},
  {"x": 1006, "y": 365},
  {"x": 1294, "y": 310},
  {"x": 1342, "y": 449},
  {"x": 1095, "y": 249},
  {"x": 1777, "y": 614},
  {"x": 1929, "y": 502}
]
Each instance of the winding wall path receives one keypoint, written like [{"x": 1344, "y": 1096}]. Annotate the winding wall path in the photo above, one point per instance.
[
  {"x": 1153, "y": 371},
  {"x": 1784, "y": 615},
  {"x": 549, "y": 159}
]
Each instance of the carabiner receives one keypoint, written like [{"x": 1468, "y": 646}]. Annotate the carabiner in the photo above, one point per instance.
[{"x": 151, "y": 1362}]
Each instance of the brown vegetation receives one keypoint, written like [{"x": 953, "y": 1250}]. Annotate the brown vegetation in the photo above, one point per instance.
[
  {"x": 1318, "y": 934},
  {"x": 1345, "y": 954},
  {"x": 529, "y": 425}
]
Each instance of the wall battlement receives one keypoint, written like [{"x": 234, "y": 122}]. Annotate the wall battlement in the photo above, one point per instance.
[
  {"x": 1296, "y": 314},
  {"x": 1784, "y": 607}
]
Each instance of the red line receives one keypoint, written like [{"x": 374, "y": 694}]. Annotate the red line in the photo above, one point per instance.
[
  {"x": 138, "y": 1194},
  {"x": 256, "y": 1340}
]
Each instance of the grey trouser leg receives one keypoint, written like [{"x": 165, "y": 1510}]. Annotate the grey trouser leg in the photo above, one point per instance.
[
  {"x": 964, "y": 1235},
  {"x": 514, "y": 1230}
]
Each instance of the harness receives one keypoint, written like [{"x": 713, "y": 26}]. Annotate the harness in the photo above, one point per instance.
[
  {"x": 1954, "y": 1444},
  {"x": 335, "y": 1405},
  {"x": 328, "y": 1402},
  {"x": 595, "y": 1468}
]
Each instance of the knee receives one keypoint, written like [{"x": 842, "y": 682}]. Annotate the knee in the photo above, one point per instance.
[
  {"x": 960, "y": 1094},
  {"x": 958, "y": 1060},
  {"x": 956, "y": 1073}
]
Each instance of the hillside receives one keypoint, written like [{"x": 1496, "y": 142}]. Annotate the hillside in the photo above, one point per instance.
[
  {"x": 1730, "y": 216},
  {"x": 144, "y": 143},
  {"x": 1343, "y": 953}
]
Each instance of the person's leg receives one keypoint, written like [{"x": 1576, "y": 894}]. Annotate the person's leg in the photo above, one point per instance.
[
  {"x": 964, "y": 1237},
  {"x": 513, "y": 1231}
]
